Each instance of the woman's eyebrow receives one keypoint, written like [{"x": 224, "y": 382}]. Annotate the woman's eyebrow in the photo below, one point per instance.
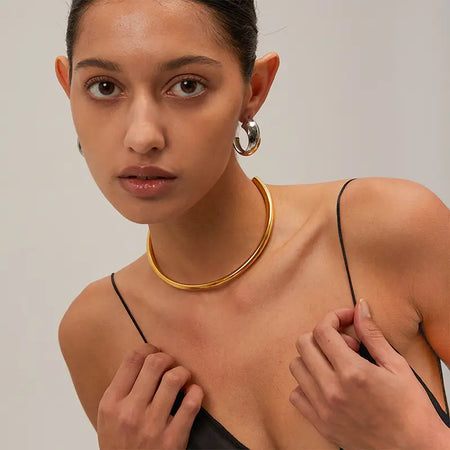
[
  {"x": 99, "y": 63},
  {"x": 163, "y": 67},
  {"x": 189, "y": 59}
]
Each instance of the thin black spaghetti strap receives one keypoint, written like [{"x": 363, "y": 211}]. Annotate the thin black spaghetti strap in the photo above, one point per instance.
[
  {"x": 438, "y": 359},
  {"x": 127, "y": 309},
  {"x": 341, "y": 240},
  {"x": 447, "y": 412},
  {"x": 443, "y": 414}
]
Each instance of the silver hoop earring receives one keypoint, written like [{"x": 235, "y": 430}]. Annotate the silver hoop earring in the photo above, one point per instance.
[
  {"x": 79, "y": 148},
  {"x": 254, "y": 139}
]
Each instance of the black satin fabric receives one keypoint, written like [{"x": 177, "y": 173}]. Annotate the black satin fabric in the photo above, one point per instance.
[{"x": 207, "y": 432}]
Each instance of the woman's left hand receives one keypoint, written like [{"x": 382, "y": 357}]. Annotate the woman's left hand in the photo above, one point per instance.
[{"x": 354, "y": 403}]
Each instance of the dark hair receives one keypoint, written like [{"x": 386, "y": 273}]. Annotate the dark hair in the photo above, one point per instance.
[{"x": 237, "y": 19}]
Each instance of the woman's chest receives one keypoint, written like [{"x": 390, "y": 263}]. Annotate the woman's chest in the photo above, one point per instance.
[
  {"x": 243, "y": 368},
  {"x": 240, "y": 356}
]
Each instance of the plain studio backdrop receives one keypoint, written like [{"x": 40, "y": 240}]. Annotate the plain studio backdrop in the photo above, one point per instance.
[{"x": 363, "y": 90}]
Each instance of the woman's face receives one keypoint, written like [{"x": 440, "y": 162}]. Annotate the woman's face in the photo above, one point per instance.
[{"x": 153, "y": 85}]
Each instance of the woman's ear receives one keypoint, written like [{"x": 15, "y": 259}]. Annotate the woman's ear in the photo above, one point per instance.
[
  {"x": 62, "y": 69},
  {"x": 262, "y": 78}
]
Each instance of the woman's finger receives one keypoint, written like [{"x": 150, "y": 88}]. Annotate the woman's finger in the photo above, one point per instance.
[
  {"x": 306, "y": 382},
  {"x": 330, "y": 340},
  {"x": 171, "y": 384},
  {"x": 301, "y": 402},
  {"x": 316, "y": 362},
  {"x": 372, "y": 337},
  {"x": 181, "y": 423},
  {"x": 351, "y": 342},
  {"x": 129, "y": 369},
  {"x": 148, "y": 380}
]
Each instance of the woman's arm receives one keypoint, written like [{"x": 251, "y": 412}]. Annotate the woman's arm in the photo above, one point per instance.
[{"x": 430, "y": 269}]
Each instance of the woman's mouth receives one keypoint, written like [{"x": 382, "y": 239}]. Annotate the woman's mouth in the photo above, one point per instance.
[
  {"x": 146, "y": 181},
  {"x": 146, "y": 172},
  {"x": 147, "y": 178},
  {"x": 147, "y": 187}
]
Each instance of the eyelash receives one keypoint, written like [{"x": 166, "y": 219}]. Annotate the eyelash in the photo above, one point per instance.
[{"x": 90, "y": 83}]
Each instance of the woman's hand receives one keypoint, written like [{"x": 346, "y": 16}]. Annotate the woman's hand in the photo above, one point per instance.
[
  {"x": 357, "y": 404},
  {"x": 134, "y": 412}
]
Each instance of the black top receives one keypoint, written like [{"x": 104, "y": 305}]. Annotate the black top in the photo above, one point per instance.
[{"x": 208, "y": 433}]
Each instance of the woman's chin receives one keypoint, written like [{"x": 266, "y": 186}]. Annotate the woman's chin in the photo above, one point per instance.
[
  {"x": 146, "y": 214},
  {"x": 144, "y": 218}
]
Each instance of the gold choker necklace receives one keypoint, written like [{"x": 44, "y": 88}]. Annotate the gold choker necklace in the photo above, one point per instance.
[{"x": 253, "y": 257}]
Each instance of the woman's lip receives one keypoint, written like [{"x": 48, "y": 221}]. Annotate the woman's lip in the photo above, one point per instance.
[
  {"x": 146, "y": 188},
  {"x": 146, "y": 172}
]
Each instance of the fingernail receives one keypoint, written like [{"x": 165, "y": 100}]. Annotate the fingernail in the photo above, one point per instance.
[{"x": 365, "y": 308}]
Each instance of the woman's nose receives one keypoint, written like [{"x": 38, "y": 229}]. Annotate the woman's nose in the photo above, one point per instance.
[{"x": 145, "y": 129}]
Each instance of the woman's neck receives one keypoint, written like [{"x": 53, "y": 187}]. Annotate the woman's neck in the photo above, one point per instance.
[{"x": 216, "y": 236}]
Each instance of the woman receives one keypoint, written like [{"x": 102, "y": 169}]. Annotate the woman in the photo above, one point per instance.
[{"x": 256, "y": 347}]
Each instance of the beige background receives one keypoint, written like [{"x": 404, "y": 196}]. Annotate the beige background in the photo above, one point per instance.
[{"x": 363, "y": 90}]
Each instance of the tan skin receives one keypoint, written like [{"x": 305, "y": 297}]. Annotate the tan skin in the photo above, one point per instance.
[{"x": 232, "y": 349}]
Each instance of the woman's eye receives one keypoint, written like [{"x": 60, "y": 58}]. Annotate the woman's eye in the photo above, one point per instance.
[
  {"x": 188, "y": 88},
  {"x": 104, "y": 89}
]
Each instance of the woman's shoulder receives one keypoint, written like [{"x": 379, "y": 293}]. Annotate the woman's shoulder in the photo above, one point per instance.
[
  {"x": 398, "y": 230},
  {"x": 96, "y": 305},
  {"x": 92, "y": 317},
  {"x": 86, "y": 309},
  {"x": 373, "y": 202},
  {"x": 375, "y": 187},
  {"x": 401, "y": 214},
  {"x": 385, "y": 222}
]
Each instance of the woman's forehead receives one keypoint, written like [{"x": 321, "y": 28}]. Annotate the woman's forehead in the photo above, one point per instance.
[{"x": 155, "y": 27}]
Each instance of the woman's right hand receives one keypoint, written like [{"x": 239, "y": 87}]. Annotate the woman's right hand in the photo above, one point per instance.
[{"x": 134, "y": 412}]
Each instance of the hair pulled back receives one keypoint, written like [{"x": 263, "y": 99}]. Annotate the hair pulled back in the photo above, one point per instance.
[{"x": 237, "y": 19}]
